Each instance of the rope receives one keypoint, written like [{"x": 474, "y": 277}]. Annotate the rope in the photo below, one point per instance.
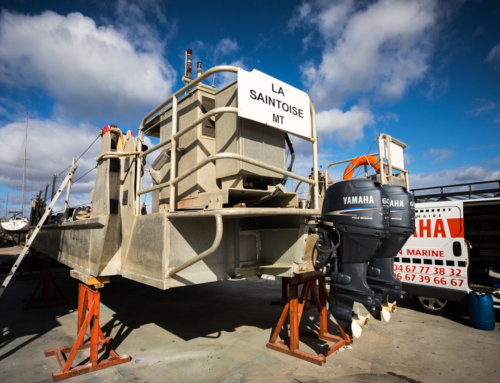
[
  {"x": 71, "y": 194},
  {"x": 95, "y": 167},
  {"x": 353, "y": 167},
  {"x": 375, "y": 140},
  {"x": 62, "y": 172},
  {"x": 82, "y": 215},
  {"x": 86, "y": 150},
  {"x": 117, "y": 131}
]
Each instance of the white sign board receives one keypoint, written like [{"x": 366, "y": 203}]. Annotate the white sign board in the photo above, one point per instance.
[
  {"x": 269, "y": 101},
  {"x": 397, "y": 157}
]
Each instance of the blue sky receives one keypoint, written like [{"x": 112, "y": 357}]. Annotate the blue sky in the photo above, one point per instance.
[{"x": 427, "y": 73}]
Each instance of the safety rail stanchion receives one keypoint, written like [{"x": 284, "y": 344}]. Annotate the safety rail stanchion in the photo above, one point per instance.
[
  {"x": 173, "y": 155},
  {"x": 315, "y": 157},
  {"x": 138, "y": 177}
]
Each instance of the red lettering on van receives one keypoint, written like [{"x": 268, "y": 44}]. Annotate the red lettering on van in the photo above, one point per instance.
[
  {"x": 455, "y": 225},
  {"x": 426, "y": 228},
  {"x": 439, "y": 229}
]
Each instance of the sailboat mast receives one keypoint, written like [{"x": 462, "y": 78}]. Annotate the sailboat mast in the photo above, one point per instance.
[{"x": 24, "y": 165}]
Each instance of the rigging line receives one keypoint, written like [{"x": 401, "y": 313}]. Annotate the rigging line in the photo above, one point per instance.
[
  {"x": 366, "y": 153},
  {"x": 71, "y": 194},
  {"x": 86, "y": 150},
  {"x": 95, "y": 167},
  {"x": 62, "y": 171}
]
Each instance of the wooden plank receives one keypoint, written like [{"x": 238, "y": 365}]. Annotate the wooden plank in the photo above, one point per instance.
[
  {"x": 485, "y": 289},
  {"x": 88, "y": 279}
]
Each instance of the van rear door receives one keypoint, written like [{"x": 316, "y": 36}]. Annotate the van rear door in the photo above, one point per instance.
[{"x": 433, "y": 263}]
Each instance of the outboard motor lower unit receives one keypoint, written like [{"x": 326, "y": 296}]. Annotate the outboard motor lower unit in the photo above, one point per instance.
[
  {"x": 402, "y": 227},
  {"x": 358, "y": 210}
]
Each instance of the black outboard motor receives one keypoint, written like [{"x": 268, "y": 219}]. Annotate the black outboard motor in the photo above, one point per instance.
[
  {"x": 358, "y": 210},
  {"x": 402, "y": 227}
]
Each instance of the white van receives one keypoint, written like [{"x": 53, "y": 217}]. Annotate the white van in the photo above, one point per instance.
[{"x": 455, "y": 245}]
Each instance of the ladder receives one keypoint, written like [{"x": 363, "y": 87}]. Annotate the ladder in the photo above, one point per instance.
[{"x": 19, "y": 259}]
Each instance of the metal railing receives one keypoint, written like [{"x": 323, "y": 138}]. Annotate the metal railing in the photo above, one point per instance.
[
  {"x": 470, "y": 193},
  {"x": 174, "y": 180},
  {"x": 389, "y": 164},
  {"x": 224, "y": 156}
]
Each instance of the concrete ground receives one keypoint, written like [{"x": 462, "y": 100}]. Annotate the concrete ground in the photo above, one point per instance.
[{"x": 218, "y": 333}]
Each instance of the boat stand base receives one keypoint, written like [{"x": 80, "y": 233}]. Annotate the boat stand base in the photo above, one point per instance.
[
  {"x": 29, "y": 266},
  {"x": 44, "y": 282},
  {"x": 88, "y": 300},
  {"x": 294, "y": 308}
]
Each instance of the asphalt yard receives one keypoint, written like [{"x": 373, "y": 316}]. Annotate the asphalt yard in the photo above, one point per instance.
[{"x": 218, "y": 333}]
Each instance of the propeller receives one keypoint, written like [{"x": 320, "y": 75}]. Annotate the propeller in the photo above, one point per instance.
[
  {"x": 387, "y": 309},
  {"x": 358, "y": 323}
]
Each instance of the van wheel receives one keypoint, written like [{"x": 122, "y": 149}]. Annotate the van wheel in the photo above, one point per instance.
[{"x": 431, "y": 305}]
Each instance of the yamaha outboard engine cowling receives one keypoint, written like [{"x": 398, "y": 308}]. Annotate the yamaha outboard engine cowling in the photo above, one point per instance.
[
  {"x": 359, "y": 210},
  {"x": 402, "y": 228}
]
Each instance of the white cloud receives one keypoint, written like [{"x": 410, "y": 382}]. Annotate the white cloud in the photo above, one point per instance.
[
  {"x": 494, "y": 56},
  {"x": 345, "y": 127},
  {"x": 483, "y": 106},
  {"x": 382, "y": 47},
  {"x": 330, "y": 21},
  {"x": 51, "y": 146},
  {"x": 408, "y": 158},
  {"x": 226, "y": 46},
  {"x": 483, "y": 147},
  {"x": 222, "y": 53},
  {"x": 388, "y": 116},
  {"x": 439, "y": 154},
  {"x": 495, "y": 161},
  {"x": 453, "y": 176},
  {"x": 304, "y": 162},
  {"x": 91, "y": 70},
  {"x": 301, "y": 14},
  {"x": 223, "y": 79}
]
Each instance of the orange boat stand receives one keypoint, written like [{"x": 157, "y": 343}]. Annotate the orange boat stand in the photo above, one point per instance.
[
  {"x": 45, "y": 278},
  {"x": 89, "y": 299},
  {"x": 294, "y": 308}
]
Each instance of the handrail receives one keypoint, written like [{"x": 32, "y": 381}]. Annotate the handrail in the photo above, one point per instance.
[
  {"x": 200, "y": 120},
  {"x": 315, "y": 157},
  {"x": 246, "y": 212},
  {"x": 172, "y": 99},
  {"x": 218, "y": 236},
  {"x": 175, "y": 134},
  {"x": 173, "y": 154},
  {"x": 196, "y": 81},
  {"x": 406, "y": 172},
  {"x": 341, "y": 162},
  {"x": 223, "y": 156}
]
